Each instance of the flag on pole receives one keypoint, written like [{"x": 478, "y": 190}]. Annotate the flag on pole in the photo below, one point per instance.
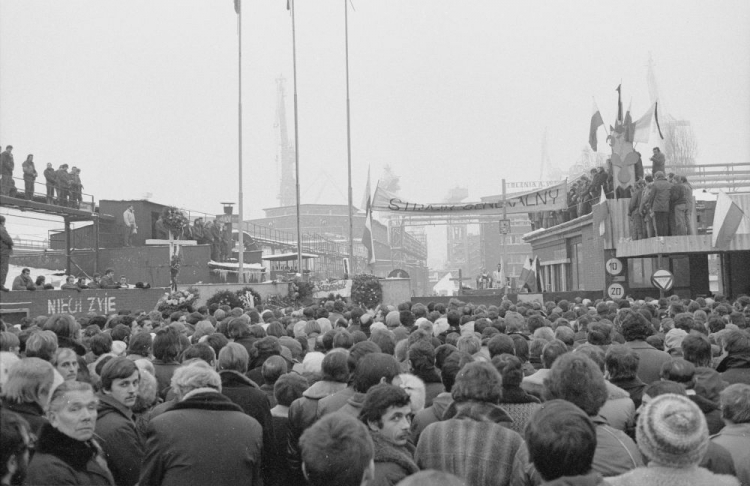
[
  {"x": 727, "y": 218},
  {"x": 596, "y": 122},
  {"x": 367, "y": 239},
  {"x": 642, "y": 126},
  {"x": 537, "y": 275},
  {"x": 237, "y": 6},
  {"x": 619, "y": 102}
]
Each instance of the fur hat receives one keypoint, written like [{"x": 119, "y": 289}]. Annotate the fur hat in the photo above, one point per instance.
[
  {"x": 672, "y": 431},
  {"x": 393, "y": 319},
  {"x": 673, "y": 339}
]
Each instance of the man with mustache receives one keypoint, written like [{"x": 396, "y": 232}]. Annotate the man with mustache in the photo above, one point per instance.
[
  {"x": 387, "y": 414},
  {"x": 115, "y": 425}
]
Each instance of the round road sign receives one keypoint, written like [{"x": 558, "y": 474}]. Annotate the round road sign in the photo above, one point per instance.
[
  {"x": 614, "y": 266},
  {"x": 616, "y": 291},
  {"x": 662, "y": 279}
]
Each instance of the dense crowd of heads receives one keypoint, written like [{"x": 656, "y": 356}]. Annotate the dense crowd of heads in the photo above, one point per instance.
[{"x": 331, "y": 394}]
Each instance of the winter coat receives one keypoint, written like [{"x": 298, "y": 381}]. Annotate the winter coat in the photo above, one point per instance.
[
  {"x": 163, "y": 374},
  {"x": 7, "y": 164},
  {"x": 659, "y": 475},
  {"x": 60, "y": 459},
  {"x": 303, "y": 412},
  {"x": 735, "y": 368},
  {"x": 659, "y": 196},
  {"x": 475, "y": 445},
  {"x": 6, "y": 242},
  {"x": 534, "y": 384},
  {"x": 711, "y": 411},
  {"x": 31, "y": 411},
  {"x": 616, "y": 453},
  {"x": 392, "y": 462},
  {"x": 736, "y": 439},
  {"x": 243, "y": 392},
  {"x": 678, "y": 194},
  {"x": 122, "y": 446},
  {"x": 430, "y": 415},
  {"x": 203, "y": 439},
  {"x": 650, "y": 361},
  {"x": 333, "y": 403},
  {"x": 23, "y": 282},
  {"x": 619, "y": 409},
  {"x": 520, "y": 407},
  {"x": 634, "y": 387},
  {"x": 49, "y": 175},
  {"x": 62, "y": 179},
  {"x": 29, "y": 171}
]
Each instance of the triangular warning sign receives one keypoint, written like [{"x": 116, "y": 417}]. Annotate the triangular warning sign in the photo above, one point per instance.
[{"x": 663, "y": 281}]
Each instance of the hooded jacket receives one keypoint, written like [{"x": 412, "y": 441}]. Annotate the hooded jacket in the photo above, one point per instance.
[
  {"x": 430, "y": 415},
  {"x": 474, "y": 444},
  {"x": 60, "y": 459},
  {"x": 120, "y": 441},
  {"x": 302, "y": 414}
]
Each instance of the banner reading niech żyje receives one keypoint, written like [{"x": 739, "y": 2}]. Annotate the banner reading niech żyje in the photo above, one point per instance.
[{"x": 550, "y": 198}]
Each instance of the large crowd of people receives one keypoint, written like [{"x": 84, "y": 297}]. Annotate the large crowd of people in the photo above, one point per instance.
[
  {"x": 63, "y": 188},
  {"x": 588, "y": 393}
]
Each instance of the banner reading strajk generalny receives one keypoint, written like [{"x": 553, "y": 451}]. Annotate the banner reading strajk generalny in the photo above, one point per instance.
[{"x": 551, "y": 198}]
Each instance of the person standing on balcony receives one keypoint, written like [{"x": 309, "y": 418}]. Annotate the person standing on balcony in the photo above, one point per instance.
[
  {"x": 679, "y": 202},
  {"x": 637, "y": 228},
  {"x": 658, "y": 161},
  {"x": 6, "y": 248},
  {"x": 62, "y": 183},
  {"x": 6, "y": 170},
  {"x": 76, "y": 188},
  {"x": 49, "y": 176},
  {"x": 131, "y": 228},
  {"x": 659, "y": 201},
  {"x": 29, "y": 176}
]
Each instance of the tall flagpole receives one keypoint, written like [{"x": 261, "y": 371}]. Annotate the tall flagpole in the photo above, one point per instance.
[
  {"x": 241, "y": 229},
  {"x": 348, "y": 138},
  {"x": 296, "y": 139}
]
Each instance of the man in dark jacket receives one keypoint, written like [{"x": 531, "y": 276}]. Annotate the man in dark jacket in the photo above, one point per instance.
[
  {"x": 233, "y": 359},
  {"x": 678, "y": 200},
  {"x": 115, "y": 426},
  {"x": 6, "y": 170},
  {"x": 24, "y": 281},
  {"x": 204, "y": 438},
  {"x": 29, "y": 176},
  {"x": 6, "y": 248},
  {"x": 62, "y": 184},
  {"x": 658, "y": 162},
  {"x": 386, "y": 412},
  {"x": 49, "y": 177},
  {"x": 735, "y": 368},
  {"x": 658, "y": 200},
  {"x": 422, "y": 364}
]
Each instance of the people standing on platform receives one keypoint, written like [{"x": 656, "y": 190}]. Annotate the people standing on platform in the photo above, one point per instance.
[
  {"x": 6, "y": 248},
  {"x": 208, "y": 233},
  {"x": 659, "y": 199},
  {"x": 6, "y": 170},
  {"x": 24, "y": 281},
  {"x": 160, "y": 231},
  {"x": 76, "y": 188},
  {"x": 198, "y": 231},
  {"x": 50, "y": 178},
  {"x": 128, "y": 218},
  {"x": 216, "y": 243},
  {"x": 658, "y": 162},
  {"x": 498, "y": 277},
  {"x": 227, "y": 242},
  {"x": 637, "y": 228},
  {"x": 678, "y": 200},
  {"x": 108, "y": 281},
  {"x": 645, "y": 208},
  {"x": 29, "y": 176},
  {"x": 62, "y": 181}
]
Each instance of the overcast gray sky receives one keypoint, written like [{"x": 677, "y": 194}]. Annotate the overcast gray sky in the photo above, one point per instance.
[{"x": 142, "y": 94}]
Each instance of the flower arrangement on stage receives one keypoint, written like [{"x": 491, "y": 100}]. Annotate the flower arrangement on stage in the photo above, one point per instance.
[
  {"x": 244, "y": 296},
  {"x": 367, "y": 290},
  {"x": 178, "y": 300},
  {"x": 174, "y": 265},
  {"x": 174, "y": 220},
  {"x": 225, "y": 297},
  {"x": 300, "y": 291}
]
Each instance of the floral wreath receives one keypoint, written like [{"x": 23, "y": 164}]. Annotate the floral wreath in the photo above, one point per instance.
[
  {"x": 174, "y": 220},
  {"x": 367, "y": 290}
]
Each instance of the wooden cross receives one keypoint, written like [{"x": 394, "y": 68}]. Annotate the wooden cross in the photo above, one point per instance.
[
  {"x": 174, "y": 245},
  {"x": 460, "y": 280}
]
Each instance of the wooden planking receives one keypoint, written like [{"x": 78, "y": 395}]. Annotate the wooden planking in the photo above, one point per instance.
[{"x": 679, "y": 244}]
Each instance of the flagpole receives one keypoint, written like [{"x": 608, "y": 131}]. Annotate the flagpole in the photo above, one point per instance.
[
  {"x": 348, "y": 136},
  {"x": 296, "y": 140},
  {"x": 240, "y": 254}
]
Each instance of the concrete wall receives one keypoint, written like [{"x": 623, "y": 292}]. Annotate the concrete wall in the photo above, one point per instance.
[{"x": 396, "y": 290}]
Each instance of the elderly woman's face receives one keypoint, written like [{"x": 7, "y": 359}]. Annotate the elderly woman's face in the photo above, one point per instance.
[{"x": 76, "y": 417}]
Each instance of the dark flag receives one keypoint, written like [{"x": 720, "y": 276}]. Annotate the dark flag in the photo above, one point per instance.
[{"x": 619, "y": 102}]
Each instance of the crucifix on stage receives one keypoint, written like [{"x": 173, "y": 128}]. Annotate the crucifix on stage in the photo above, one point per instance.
[
  {"x": 460, "y": 280},
  {"x": 174, "y": 249}
]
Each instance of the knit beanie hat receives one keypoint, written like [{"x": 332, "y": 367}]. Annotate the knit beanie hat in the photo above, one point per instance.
[
  {"x": 672, "y": 431},
  {"x": 673, "y": 339},
  {"x": 393, "y": 319}
]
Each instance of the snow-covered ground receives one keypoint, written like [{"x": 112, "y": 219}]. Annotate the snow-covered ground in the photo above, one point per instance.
[{"x": 54, "y": 277}]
